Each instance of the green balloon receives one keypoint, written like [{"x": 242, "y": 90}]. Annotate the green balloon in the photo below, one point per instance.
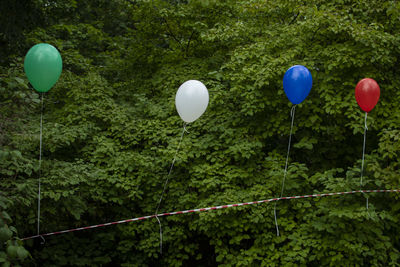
[{"x": 43, "y": 66}]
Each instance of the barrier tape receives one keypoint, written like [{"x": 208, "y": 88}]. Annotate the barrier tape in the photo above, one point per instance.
[{"x": 210, "y": 208}]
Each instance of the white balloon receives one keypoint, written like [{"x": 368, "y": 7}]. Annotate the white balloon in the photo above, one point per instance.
[{"x": 191, "y": 100}]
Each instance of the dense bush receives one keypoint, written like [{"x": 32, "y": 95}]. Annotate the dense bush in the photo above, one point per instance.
[{"x": 111, "y": 131}]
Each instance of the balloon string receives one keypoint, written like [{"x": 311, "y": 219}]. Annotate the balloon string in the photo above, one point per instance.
[
  {"x": 363, "y": 155},
  {"x": 40, "y": 161},
  {"x": 166, "y": 182},
  {"x": 292, "y": 112}
]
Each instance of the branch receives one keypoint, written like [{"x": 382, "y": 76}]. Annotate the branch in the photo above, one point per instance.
[
  {"x": 171, "y": 33},
  {"x": 294, "y": 18},
  {"x": 315, "y": 32},
  {"x": 188, "y": 44}
]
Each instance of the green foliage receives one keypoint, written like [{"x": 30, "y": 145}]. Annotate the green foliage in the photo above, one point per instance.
[
  {"x": 111, "y": 130},
  {"x": 11, "y": 250}
]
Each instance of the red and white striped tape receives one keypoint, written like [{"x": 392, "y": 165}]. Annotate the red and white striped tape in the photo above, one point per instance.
[{"x": 211, "y": 208}]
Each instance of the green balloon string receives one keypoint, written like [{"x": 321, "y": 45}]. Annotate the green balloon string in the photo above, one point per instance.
[{"x": 40, "y": 161}]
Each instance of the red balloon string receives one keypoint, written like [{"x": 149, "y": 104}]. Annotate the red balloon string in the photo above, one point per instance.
[{"x": 362, "y": 161}]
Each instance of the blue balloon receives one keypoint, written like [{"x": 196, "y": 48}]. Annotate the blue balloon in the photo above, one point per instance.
[{"x": 297, "y": 83}]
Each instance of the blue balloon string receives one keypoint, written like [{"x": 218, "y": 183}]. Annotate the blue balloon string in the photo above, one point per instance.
[{"x": 292, "y": 112}]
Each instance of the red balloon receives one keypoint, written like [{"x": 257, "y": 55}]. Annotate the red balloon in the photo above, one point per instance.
[{"x": 367, "y": 94}]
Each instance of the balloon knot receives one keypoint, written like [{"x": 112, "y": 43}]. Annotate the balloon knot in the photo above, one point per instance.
[
  {"x": 292, "y": 110},
  {"x": 184, "y": 127}
]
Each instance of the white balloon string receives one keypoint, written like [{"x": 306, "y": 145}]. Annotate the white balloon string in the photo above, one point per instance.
[
  {"x": 166, "y": 182},
  {"x": 362, "y": 161},
  {"x": 161, "y": 240},
  {"x": 40, "y": 161},
  {"x": 292, "y": 112}
]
